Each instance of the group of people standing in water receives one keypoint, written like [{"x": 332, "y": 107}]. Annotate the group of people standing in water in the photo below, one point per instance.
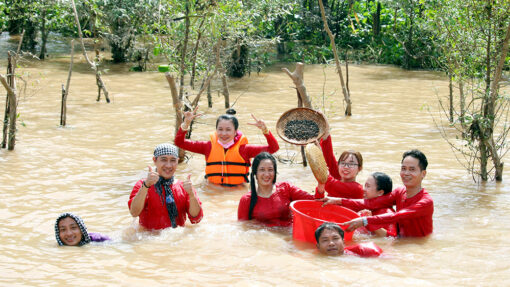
[{"x": 160, "y": 201}]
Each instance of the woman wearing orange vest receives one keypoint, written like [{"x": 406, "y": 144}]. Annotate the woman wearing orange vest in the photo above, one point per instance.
[{"x": 227, "y": 153}]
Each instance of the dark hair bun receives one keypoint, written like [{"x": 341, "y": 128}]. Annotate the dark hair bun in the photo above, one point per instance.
[{"x": 230, "y": 112}]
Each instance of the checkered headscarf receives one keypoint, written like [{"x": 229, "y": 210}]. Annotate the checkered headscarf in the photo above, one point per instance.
[
  {"x": 85, "y": 235},
  {"x": 166, "y": 149}
]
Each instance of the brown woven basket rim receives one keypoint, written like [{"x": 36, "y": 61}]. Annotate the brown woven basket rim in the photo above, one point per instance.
[{"x": 281, "y": 121}]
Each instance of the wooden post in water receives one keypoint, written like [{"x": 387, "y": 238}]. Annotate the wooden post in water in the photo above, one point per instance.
[
  {"x": 62, "y": 108},
  {"x": 177, "y": 107},
  {"x": 6, "y": 114},
  {"x": 303, "y": 98},
  {"x": 11, "y": 94},
  {"x": 65, "y": 91}
]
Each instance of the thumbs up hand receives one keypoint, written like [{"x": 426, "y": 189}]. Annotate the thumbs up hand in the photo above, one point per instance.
[
  {"x": 152, "y": 177},
  {"x": 188, "y": 186}
]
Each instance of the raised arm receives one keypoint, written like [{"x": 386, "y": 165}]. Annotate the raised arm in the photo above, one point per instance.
[
  {"x": 139, "y": 194},
  {"x": 194, "y": 211},
  {"x": 329, "y": 156},
  {"x": 201, "y": 147},
  {"x": 249, "y": 151}
]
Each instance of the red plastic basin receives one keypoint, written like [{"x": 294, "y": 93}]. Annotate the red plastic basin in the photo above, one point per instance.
[{"x": 309, "y": 214}]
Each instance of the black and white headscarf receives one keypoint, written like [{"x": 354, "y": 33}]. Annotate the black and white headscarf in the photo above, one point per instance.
[
  {"x": 166, "y": 149},
  {"x": 85, "y": 235}
]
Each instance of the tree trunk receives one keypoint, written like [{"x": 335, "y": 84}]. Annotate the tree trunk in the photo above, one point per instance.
[
  {"x": 63, "y": 107},
  {"x": 209, "y": 96},
  {"x": 221, "y": 70},
  {"x": 408, "y": 45},
  {"x": 376, "y": 26},
  {"x": 494, "y": 91},
  {"x": 183, "y": 52},
  {"x": 347, "y": 97},
  {"x": 462, "y": 105},
  {"x": 177, "y": 103},
  {"x": 99, "y": 82},
  {"x": 11, "y": 93},
  {"x": 44, "y": 35},
  {"x": 65, "y": 91},
  {"x": 303, "y": 154},
  {"x": 450, "y": 85},
  {"x": 194, "y": 55},
  {"x": 297, "y": 78}
]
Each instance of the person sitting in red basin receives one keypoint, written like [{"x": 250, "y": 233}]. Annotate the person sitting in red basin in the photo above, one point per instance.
[
  {"x": 268, "y": 201},
  {"x": 330, "y": 241},
  {"x": 415, "y": 206}
]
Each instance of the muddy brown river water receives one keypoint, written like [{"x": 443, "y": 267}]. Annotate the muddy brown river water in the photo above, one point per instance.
[{"x": 90, "y": 167}]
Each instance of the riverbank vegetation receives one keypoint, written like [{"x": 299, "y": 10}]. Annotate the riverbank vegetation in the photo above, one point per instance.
[{"x": 202, "y": 39}]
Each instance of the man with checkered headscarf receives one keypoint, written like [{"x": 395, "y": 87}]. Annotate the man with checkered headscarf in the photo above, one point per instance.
[{"x": 160, "y": 201}]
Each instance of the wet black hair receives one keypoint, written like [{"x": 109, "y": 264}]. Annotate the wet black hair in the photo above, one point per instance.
[
  {"x": 255, "y": 166},
  {"x": 417, "y": 154},
  {"x": 383, "y": 182},
  {"x": 330, "y": 226},
  {"x": 229, "y": 116}
]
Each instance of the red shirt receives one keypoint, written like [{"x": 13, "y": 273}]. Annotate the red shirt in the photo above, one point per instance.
[
  {"x": 274, "y": 210},
  {"x": 366, "y": 249},
  {"x": 391, "y": 228},
  {"x": 247, "y": 151},
  {"x": 154, "y": 214},
  {"x": 413, "y": 216},
  {"x": 334, "y": 186}
]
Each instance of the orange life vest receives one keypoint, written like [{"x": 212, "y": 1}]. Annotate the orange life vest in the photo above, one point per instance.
[{"x": 227, "y": 168}]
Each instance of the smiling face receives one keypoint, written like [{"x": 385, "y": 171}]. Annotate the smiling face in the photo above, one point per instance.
[
  {"x": 411, "y": 173},
  {"x": 69, "y": 231},
  {"x": 370, "y": 189},
  {"x": 348, "y": 168},
  {"x": 330, "y": 243},
  {"x": 226, "y": 131},
  {"x": 166, "y": 165},
  {"x": 265, "y": 173}
]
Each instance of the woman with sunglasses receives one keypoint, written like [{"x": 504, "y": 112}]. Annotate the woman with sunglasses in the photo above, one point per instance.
[{"x": 342, "y": 174}]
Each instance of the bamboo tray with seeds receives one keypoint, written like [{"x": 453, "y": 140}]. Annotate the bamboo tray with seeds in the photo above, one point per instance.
[{"x": 301, "y": 126}]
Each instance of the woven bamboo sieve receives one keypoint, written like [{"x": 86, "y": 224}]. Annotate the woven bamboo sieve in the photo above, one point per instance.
[
  {"x": 317, "y": 163},
  {"x": 301, "y": 114}
]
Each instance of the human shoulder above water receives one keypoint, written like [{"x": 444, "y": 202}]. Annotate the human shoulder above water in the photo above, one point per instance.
[
  {"x": 161, "y": 201},
  {"x": 227, "y": 152},
  {"x": 414, "y": 206}
]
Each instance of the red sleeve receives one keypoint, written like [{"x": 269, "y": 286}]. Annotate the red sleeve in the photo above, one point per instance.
[
  {"x": 329, "y": 156},
  {"x": 297, "y": 193},
  {"x": 383, "y": 201},
  {"x": 200, "y": 215},
  {"x": 366, "y": 249},
  {"x": 391, "y": 228},
  {"x": 318, "y": 195},
  {"x": 135, "y": 190},
  {"x": 249, "y": 151},
  {"x": 423, "y": 207},
  {"x": 244, "y": 207},
  {"x": 201, "y": 147}
]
